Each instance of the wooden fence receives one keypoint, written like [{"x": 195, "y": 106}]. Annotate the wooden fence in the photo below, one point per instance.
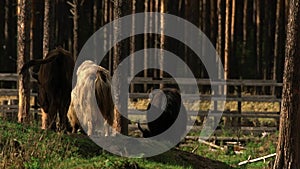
[
  {"x": 9, "y": 96},
  {"x": 234, "y": 118}
]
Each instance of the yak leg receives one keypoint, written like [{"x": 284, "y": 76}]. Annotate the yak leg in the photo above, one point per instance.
[
  {"x": 72, "y": 119},
  {"x": 48, "y": 119},
  {"x": 44, "y": 120},
  {"x": 106, "y": 128},
  {"x": 62, "y": 118},
  {"x": 52, "y": 114},
  {"x": 90, "y": 128}
]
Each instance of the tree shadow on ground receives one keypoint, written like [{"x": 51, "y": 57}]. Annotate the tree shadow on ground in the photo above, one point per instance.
[
  {"x": 87, "y": 149},
  {"x": 186, "y": 159}
]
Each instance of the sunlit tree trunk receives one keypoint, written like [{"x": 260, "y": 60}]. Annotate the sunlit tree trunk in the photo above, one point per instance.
[
  {"x": 288, "y": 148},
  {"x": 227, "y": 42},
  {"x": 233, "y": 58},
  {"x": 23, "y": 49},
  {"x": 121, "y": 121}
]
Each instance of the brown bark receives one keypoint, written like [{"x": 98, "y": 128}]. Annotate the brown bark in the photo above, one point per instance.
[
  {"x": 213, "y": 23},
  {"x": 95, "y": 16},
  {"x": 288, "y": 149},
  {"x": 23, "y": 50},
  {"x": 110, "y": 36},
  {"x": 146, "y": 44},
  {"x": 278, "y": 38},
  {"x": 9, "y": 31},
  {"x": 233, "y": 39},
  {"x": 48, "y": 42},
  {"x": 132, "y": 43},
  {"x": 120, "y": 121},
  {"x": 162, "y": 42},
  {"x": 258, "y": 37},
  {"x": 2, "y": 25},
  {"x": 105, "y": 18},
  {"x": 187, "y": 6},
  {"x": 243, "y": 59},
  {"x": 227, "y": 42},
  {"x": 75, "y": 12},
  {"x": 219, "y": 37}
]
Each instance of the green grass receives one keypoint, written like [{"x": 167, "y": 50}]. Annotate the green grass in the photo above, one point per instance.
[
  {"x": 24, "y": 146},
  {"x": 254, "y": 149}
]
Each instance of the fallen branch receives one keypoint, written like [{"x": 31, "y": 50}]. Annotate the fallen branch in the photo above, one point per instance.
[
  {"x": 193, "y": 151},
  {"x": 257, "y": 159},
  {"x": 210, "y": 144}
]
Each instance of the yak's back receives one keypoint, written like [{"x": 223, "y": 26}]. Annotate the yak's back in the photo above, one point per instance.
[{"x": 56, "y": 76}]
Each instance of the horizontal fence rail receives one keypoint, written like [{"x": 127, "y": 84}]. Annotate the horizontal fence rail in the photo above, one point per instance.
[{"x": 238, "y": 97}]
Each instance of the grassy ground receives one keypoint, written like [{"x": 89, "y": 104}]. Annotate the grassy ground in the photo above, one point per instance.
[
  {"x": 248, "y": 150},
  {"x": 23, "y": 146}
]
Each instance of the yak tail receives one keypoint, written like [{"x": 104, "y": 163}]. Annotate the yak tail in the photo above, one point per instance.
[{"x": 51, "y": 56}]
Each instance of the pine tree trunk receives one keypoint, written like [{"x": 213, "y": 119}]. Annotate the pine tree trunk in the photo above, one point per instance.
[
  {"x": 75, "y": 12},
  {"x": 278, "y": 39},
  {"x": 7, "y": 31},
  {"x": 32, "y": 27},
  {"x": 258, "y": 37},
  {"x": 95, "y": 16},
  {"x": 110, "y": 37},
  {"x": 121, "y": 121},
  {"x": 219, "y": 50},
  {"x": 132, "y": 44},
  {"x": 227, "y": 43},
  {"x": 288, "y": 149},
  {"x": 187, "y": 6},
  {"x": 213, "y": 23},
  {"x": 48, "y": 42},
  {"x": 105, "y": 18},
  {"x": 162, "y": 42},
  {"x": 23, "y": 50},
  {"x": 155, "y": 37},
  {"x": 145, "y": 44},
  {"x": 2, "y": 25},
  {"x": 243, "y": 59},
  {"x": 232, "y": 58}
]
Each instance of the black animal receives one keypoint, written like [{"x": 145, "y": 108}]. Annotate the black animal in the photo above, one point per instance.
[
  {"x": 54, "y": 86},
  {"x": 170, "y": 109}
]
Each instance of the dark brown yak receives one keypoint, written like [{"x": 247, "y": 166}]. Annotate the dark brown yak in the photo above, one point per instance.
[
  {"x": 54, "y": 86},
  {"x": 169, "y": 110}
]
